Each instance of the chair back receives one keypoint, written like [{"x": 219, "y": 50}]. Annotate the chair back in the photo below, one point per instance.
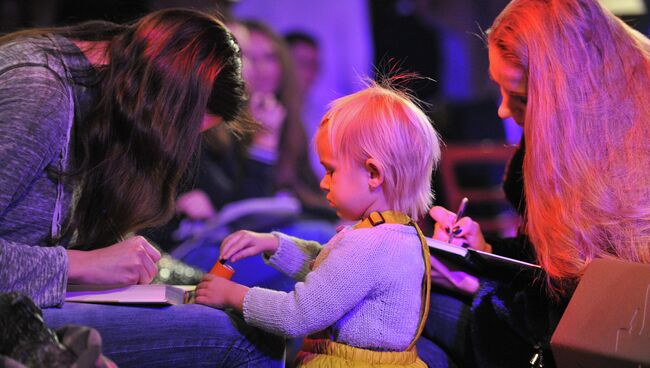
[{"x": 475, "y": 172}]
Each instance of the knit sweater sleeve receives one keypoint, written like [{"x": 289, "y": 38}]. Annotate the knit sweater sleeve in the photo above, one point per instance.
[
  {"x": 34, "y": 111},
  {"x": 341, "y": 282},
  {"x": 294, "y": 255}
]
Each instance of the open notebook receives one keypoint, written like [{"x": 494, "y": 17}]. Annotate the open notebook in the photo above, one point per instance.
[
  {"x": 131, "y": 294},
  {"x": 478, "y": 261}
]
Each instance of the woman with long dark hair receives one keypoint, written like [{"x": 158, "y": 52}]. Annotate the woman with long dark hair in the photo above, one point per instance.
[{"x": 98, "y": 122}]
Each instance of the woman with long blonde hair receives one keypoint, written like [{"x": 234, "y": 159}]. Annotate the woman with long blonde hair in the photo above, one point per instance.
[
  {"x": 587, "y": 120},
  {"x": 576, "y": 78}
]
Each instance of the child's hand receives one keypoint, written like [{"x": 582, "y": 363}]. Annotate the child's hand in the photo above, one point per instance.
[
  {"x": 466, "y": 230},
  {"x": 220, "y": 293},
  {"x": 243, "y": 243}
]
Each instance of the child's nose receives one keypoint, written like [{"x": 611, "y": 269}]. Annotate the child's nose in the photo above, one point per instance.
[{"x": 325, "y": 183}]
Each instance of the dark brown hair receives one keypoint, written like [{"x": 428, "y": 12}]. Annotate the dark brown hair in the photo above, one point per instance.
[{"x": 163, "y": 73}]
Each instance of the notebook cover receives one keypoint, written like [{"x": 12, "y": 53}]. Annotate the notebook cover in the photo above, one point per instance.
[{"x": 131, "y": 294}]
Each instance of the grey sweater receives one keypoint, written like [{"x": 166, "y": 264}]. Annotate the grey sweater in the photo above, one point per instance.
[
  {"x": 364, "y": 286},
  {"x": 45, "y": 90}
]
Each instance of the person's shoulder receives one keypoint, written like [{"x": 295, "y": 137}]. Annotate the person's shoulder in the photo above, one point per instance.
[
  {"x": 382, "y": 231},
  {"x": 50, "y": 53},
  {"x": 34, "y": 76},
  {"x": 382, "y": 237},
  {"x": 391, "y": 250},
  {"x": 26, "y": 50}
]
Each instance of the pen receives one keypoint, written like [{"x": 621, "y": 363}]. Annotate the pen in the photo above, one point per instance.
[{"x": 459, "y": 214}]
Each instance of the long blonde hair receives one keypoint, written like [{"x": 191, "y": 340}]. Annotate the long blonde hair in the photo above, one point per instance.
[{"x": 587, "y": 164}]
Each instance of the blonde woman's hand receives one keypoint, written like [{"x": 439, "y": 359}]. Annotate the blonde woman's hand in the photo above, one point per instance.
[
  {"x": 466, "y": 230},
  {"x": 132, "y": 261},
  {"x": 244, "y": 243}
]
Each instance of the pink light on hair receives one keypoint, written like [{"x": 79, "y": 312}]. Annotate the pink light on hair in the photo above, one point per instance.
[
  {"x": 382, "y": 123},
  {"x": 587, "y": 164}
]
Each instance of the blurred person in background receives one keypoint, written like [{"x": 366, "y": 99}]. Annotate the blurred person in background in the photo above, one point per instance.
[{"x": 306, "y": 56}]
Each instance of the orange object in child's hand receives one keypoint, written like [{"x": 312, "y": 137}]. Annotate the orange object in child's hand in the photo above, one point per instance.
[{"x": 222, "y": 270}]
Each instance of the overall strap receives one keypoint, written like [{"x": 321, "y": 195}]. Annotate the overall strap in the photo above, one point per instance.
[{"x": 396, "y": 217}]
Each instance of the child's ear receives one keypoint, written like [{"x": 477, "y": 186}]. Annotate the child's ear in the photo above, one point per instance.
[{"x": 376, "y": 173}]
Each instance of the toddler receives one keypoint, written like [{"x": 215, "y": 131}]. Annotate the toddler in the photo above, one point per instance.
[{"x": 363, "y": 296}]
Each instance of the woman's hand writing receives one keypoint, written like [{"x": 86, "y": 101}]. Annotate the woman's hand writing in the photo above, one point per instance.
[
  {"x": 466, "y": 230},
  {"x": 132, "y": 261}
]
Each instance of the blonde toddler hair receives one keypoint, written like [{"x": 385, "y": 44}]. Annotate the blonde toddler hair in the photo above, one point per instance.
[{"x": 383, "y": 123}]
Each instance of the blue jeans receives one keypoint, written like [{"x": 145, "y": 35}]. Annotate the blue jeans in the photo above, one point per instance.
[
  {"x": 444, "y": 339},
  {"x": 188, "y": 335}
]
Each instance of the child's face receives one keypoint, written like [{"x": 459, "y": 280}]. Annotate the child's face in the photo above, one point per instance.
[{"x": 346, "y": 185}]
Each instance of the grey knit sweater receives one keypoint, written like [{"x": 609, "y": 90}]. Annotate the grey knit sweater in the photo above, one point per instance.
[
  {"x": 365, "y": 286},
  {"x": 45, "y": 90}
]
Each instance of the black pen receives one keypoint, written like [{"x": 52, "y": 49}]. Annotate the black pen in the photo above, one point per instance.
[{"x": 459, "y": 214}]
